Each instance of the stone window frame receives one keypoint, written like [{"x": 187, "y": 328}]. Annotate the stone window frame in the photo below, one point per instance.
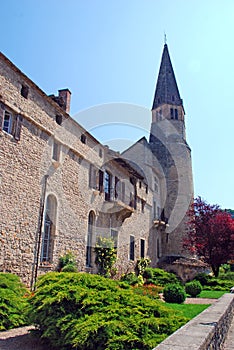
[
  {"x": 90, "y": 239},
  {"x": 15, "y": 122}
]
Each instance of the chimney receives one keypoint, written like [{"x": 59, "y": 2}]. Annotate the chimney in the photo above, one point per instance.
[{"x": 65, "y": 94}]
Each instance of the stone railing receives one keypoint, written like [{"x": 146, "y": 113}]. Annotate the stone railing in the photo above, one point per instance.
[{"x": 207, "y": 331}]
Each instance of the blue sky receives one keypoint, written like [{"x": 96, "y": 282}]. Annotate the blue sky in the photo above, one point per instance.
[{"x": 109, "y": 51}]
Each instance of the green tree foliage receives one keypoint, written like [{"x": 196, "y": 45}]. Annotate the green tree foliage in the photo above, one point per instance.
[
  {"x": 193, "y": 288},
  {"x": 106, "y": 255},
  {"x": 174, "y": 293},
  {"x": 90, "y": 312},
  {"x": 141, "y": 265},
  {"x": 13, "y": 302},
  {"x": 212, "y": 283},
  {"x": 159, "y": 277}
]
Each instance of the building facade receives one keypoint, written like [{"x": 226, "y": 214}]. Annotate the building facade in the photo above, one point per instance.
[{"x": 60, "y": 188}]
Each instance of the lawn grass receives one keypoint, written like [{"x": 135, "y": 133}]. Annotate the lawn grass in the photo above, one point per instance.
[
  {"x": 211, "y": 294},
  {"x": 187, "y": 310}
]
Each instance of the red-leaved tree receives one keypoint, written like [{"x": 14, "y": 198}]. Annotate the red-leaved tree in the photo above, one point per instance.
[{"x": 210, "y": 234}]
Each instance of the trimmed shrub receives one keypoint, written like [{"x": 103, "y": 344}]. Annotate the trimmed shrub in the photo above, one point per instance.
[
  {"x": 13, "y": 302},
  {"x": 174, "y": 293},
  {"x": 203, "y": 278},
  {"x": 159, "y": 277},
  {"x": 132, "y": 279},
  {"x": 90, "y": 312},
  {"x": 193, "y": 288}
]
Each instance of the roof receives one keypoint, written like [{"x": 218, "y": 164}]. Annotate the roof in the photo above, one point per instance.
[{"x": 166, "y": 88}]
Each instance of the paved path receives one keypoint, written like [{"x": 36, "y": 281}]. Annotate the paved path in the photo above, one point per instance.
[{"x": 20, "y": 339}]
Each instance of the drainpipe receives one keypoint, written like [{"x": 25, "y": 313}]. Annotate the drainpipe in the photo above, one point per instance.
[{"x": 38, "y": 243}]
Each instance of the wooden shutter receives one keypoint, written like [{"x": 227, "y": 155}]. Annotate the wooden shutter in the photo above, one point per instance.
[
  {"x": 2, "y": 110},
  {"x": 101, "y": 180},
  {"x": 18, "y": 125}
]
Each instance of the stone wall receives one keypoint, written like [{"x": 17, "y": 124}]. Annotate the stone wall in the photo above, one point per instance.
[
  {"x": 29, "y": 175},
  {"x": 207, "y": 331}
]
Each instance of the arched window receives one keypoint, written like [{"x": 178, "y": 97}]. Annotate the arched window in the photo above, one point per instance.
[
  {"x": 49, "y": 229},
  {"x": 89, "y": 246}
]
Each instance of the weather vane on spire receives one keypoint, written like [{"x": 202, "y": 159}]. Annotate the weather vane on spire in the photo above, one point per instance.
[{"x": 165, "y": 38}]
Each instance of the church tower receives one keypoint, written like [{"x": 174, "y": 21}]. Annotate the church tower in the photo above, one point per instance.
[{"x": 170, "y": 149}]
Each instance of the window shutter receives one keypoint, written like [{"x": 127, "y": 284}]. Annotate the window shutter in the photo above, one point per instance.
[
  {"x": 101, "y": 180},
  {"x": 18, "y": 125},
  {"x": 2, "y": 110}
]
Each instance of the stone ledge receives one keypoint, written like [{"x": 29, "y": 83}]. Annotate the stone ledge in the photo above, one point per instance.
[{"x": 207, "y": 331}]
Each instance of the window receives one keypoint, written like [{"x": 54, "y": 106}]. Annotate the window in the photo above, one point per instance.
[
  {"x": 172, "y": 113},
  {"x": 56, "y": 151},
  {"x": 24, "y": 91},
  {"x": 7, "y": 122},
  {"x": 143, "y": 206},
  {"x": 107, "y": 185},
  {"x": 176, "y": 114},
  {"x": 154, "y": 210},
  {"x": 11, "y": 123},
  {"x": 58, "y": 119},
  {"x": 100, "y": 152},
  {"x": 83, "y": 138},
  {"x": 142, "y": 247},
  {"x": 132, "y": 248},
  {"x": 114, "y": 236},
  {"x": 49, "y": 229},
  {"x": 89, "y": 246}
]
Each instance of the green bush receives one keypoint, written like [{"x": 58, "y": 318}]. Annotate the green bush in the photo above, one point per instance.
[
  {"x": 106, "y": 255},
  {"x": 131, "y": 278},
  {"x": 213, "y": 283},
  {"x": 174, "y": 293},
  {"x": 193, "y": 288},
  {"x": 203, "y": 278},
  {"x": 13, "y": 302},
  {"x": 67, "y": 263},
  {"x": 90, "y": 312},
  {"x": 227, "y": 276},
  {"x": 159, "y": 277}
]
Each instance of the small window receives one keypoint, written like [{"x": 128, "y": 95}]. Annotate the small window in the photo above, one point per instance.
[
  {"x": 172, "y": 113},
  {"x": 24, "y": 91},
  {"x": 7, "y": 122},
  {"x": 132, "y": 248},
  {"x": 100, "y": 180},
  {"x": 142, "y": 252},
  {"x": 56, "y": 151},
  {"x": 176, "y": 114},
  {"x": 114, "y": 236},
  {"x": 83, "y": 138},
  {"x": 139, "y": 184},
  {"x": 173, "y": 98},
  {"x": 146, "y": 189},
  {"x": 154, "y": 210},
  {"x": 143, "y": 206},
  {"x": 100, "y": 152},
  {"x": 58, "y": 119}
]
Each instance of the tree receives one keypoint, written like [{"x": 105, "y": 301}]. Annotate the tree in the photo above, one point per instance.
[{"x": 210, "y": 234}]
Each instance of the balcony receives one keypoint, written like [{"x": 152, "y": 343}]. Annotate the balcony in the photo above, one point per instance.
[{"x": 118, "y": 203}]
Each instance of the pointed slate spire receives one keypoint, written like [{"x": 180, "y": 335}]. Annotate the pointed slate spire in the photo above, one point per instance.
[{"x": 166, "y": 89}]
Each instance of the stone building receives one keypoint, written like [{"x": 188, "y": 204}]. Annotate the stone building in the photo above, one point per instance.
[{"x": 60, "y": 188}]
